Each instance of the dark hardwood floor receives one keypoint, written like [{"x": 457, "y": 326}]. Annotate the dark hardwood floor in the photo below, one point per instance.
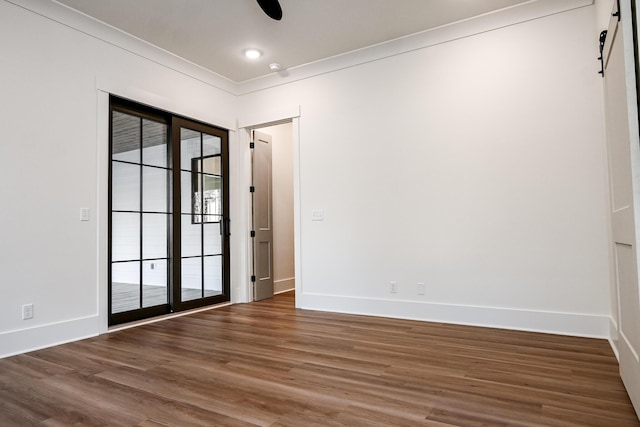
[{"x": 268, "y": 364}]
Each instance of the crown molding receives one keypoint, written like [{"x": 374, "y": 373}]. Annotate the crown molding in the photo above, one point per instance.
[
  {"x": 533, "y": 9},
  {"x": 64, "y": 15}
]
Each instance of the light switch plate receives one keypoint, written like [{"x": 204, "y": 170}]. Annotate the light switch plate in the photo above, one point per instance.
[
  {"x": 317, "y": 215},
  {"x": 84, "y": 214}
]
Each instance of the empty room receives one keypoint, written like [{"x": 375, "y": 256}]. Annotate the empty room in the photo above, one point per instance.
[{"x": 362, "y": 212}]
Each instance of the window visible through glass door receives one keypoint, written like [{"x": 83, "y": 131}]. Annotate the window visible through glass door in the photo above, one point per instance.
[{"x": 202, "y": 219}]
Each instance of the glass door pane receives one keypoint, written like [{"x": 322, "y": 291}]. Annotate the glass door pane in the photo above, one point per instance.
[
  {"x": 156, "y": 288},
  {"x": 125, "y": 286},
  {"x": 212, "y": 276},
  {"x": 140, "y": 215},
  {"x": 202, "y": 214}
]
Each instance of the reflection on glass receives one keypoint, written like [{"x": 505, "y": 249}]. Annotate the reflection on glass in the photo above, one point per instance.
[
  {"x": 125, "y": 187},
  {"x": 211, "y": 145},
  {"x": 206, "y": 183},
  {"x": 154, "y": 143},
  {"x": 210, "y": 165},
  {"x": 191, "y": 284},
  {"x": 212, "y": 239},
  {"x": 212, "y": 276},
  {"x": 186, "y": 193},
  {"x": 125, "y": 144},
  {"x": 189, "y": 147},
  {"x": 154, "y": 189},
  {"x": 154, "y": 236},
  {"x": 191, "y": 237},
  {"x": 154, "y": 289},
  {"x": 125, "y": 236},
  {"x": 125, "y": 286},
  {"x": 207, "y": 204}
]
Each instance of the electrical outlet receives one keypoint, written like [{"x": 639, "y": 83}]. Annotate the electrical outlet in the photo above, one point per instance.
[
  {"x": 27, "y": 311},
  {"x": 420, "y": 288},
  {"x": 393, "y": 287}
]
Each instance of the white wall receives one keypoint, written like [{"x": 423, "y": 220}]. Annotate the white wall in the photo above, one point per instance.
[
  {"x": 475, "y": 166},
  {"x": 603, "y": 13},
  {"x": 53, "y": 161}
]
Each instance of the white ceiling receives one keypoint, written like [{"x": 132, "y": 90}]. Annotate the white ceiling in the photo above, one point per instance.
[{"x": 214, "y": 33}]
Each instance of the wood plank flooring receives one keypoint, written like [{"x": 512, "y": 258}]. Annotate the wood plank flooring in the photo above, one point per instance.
[{"x": 267, "y": 364}]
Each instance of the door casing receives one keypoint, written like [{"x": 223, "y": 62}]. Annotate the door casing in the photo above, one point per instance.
[{"x": 246, "y": 125}]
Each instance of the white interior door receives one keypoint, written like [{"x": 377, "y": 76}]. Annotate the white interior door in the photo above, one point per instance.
[
  {"x": 621, "y": 152},
  {"x": 262, "y": 217}
]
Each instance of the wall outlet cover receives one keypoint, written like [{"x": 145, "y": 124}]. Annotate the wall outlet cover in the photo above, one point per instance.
[{"x": 27, "y": 311}]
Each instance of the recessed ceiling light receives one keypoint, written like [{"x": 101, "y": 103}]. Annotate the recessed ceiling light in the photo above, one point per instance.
[
  {"x": 275, "y": 66},
  {"x": 252, "y": 53}
]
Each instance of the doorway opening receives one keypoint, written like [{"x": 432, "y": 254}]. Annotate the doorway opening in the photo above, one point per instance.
[{"x": 272, "y": 201}]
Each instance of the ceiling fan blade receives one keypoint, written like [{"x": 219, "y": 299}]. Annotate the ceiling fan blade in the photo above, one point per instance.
[{"x": 271, "y": 8}]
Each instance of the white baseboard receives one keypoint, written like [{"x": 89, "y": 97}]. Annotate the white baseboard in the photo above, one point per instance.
[
  {"x": 25, "y": 340},
  {"x": 284, "y": 285},
  {"x": 583, "y": 325},
  {"x": 42, "y": 336},
  {"x": 614, "y": 337}
]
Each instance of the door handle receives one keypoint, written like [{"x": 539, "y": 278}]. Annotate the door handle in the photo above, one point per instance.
[{"x": 227, "y": 227}]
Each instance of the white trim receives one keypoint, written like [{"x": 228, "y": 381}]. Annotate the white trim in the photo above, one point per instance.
[
  {"x": 64, "y": 15},
  {"x": 238, "y": 189},
  {"x": 120, "y": 85},
  {"x": 102, "y": 208},
  {"x": 284, "y": 285},
  {"x": 102, "y": 213},
  {"x": 624, "y": 340},
  {"x": 241, "y": 281},
  {"x": 42, "y": 336},
  {"x": 267, "y": 118},
  {"x": 502, "y": 18},
  {"x": 613, "y": 337},
  {"x": 297, "y": 208},
  {"x": 572, "y": 324},
  {"x": 257, "y": 120}
]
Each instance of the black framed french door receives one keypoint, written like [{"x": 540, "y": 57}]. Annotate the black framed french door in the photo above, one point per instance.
[
  {"x": 168, "y": 213},
  {"x": 201, "y": 266}
]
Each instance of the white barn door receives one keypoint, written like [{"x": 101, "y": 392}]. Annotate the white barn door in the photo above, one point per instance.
[{"x": 624, "y": 178}]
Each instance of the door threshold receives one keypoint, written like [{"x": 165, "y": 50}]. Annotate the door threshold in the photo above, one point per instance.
[{"x": 136, "y": 323}]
